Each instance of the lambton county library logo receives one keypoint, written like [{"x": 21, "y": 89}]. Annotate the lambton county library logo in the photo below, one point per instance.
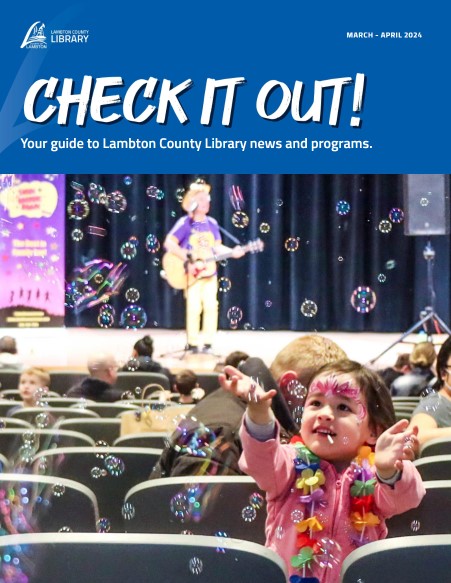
[{"x": 35, "y": 37}]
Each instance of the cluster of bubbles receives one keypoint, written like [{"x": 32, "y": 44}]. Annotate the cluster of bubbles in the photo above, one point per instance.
[
  {"x": 256, "y": 502},
  {"x": 154, "y": 192}
]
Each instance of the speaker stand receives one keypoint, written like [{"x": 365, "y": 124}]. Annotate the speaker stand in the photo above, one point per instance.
[{"x": 427, "y": 314}]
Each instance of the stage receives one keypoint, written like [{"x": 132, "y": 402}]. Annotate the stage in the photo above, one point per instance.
[{"x": 69, "y": 348}]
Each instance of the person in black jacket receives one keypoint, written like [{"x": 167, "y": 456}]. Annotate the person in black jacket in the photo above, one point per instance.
[
  {"x": 141, "y": 359},
  {"x": 98, "y": 386}
]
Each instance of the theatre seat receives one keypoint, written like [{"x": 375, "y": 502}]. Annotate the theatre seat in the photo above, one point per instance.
[
  {"x": 47, "y": 504},
  {"x": 109, "y": 409},
  {"x": 432, "y": 516},
  {"x": 203, "y": 505},
  {"x": 435, "y": 467},
  {"x": 99, "y": 429},
  {"x": 45, "y": 417},
  {"x": 129, "y": 381},
  {"x": 13, "y": 440},
  {"x": 151, "y": 439},
  {"x": 139, "y": 558},
  {"x": 439, "y": 446},
  {"x": 109, "y": 472},
  {"x": 400, "y": 560}
]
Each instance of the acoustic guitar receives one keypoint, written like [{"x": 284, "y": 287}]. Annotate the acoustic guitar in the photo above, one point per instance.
[{"x": 175, "y": 271}]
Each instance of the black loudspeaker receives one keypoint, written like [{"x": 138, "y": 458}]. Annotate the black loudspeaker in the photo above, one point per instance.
[{"x": 426, "y": 204}]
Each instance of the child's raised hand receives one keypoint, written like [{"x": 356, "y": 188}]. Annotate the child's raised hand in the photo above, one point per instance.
[
  {"x": 394, "y": 446},
  {"x": 246, "y": 388}
]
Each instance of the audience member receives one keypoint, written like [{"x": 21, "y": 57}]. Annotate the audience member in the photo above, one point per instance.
[
  {"x": 98, "y": 386},
  {"x": 186, "y": 384},
  {"x": 221, "y": 412},
  {"x": 328, "y": 474},
  {"x": 9, "y": 359},
  {"x": 142, "y": 355},
  {"x": 414, "y": 382},
  {"x": 401, "y": 367},
  {"x": 30, "y": 382},
  {"x": 232, "y": 359},
  {"x": 433, "y": 414}
]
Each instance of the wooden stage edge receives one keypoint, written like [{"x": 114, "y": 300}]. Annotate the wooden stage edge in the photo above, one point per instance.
[{"x": 69, "y": 348}]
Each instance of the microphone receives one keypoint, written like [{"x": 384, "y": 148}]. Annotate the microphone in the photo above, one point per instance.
[{"x": 193, "y": 207}]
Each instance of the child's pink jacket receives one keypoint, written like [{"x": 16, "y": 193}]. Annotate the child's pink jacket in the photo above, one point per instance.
[{"x": 271, "y": 465}]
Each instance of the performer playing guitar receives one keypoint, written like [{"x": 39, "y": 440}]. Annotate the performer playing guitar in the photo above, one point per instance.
[{"x": 193, "y": 239}]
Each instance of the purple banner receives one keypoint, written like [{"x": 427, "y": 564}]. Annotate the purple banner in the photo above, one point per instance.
[{"x": 32, "y": 215}]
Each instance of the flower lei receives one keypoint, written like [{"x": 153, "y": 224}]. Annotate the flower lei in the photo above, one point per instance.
[{"x": 309, "y": 480}]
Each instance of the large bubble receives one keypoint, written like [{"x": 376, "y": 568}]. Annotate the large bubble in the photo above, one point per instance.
[{"x": 363, "y": 299}]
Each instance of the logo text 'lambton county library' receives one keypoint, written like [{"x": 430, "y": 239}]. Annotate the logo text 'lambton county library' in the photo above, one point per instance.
[{"x": 36, "y": 39}]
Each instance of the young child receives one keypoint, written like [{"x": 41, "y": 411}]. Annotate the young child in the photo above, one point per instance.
[
  {"x": 30, "y": 381},
  {"x": 187, "y": 386},
  {"x": 327, "y": 492}
]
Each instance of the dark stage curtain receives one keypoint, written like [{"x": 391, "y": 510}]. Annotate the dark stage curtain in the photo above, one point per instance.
[{"x": 312, "y": 252}]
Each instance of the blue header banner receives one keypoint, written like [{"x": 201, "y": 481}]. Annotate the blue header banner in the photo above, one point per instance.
[{"x": 183, "y": 88}]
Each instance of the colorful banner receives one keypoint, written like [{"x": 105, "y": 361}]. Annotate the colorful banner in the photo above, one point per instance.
[{"x": 32, "y": 250}]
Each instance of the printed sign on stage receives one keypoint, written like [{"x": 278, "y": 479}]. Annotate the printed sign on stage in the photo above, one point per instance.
[{"x": 32, "y": 250}]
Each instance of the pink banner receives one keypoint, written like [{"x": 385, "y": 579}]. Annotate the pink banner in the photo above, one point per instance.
[{"x": 32, "y": 215}]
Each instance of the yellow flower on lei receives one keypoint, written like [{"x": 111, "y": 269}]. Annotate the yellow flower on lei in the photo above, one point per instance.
[
  {"x": 365, "y": 453},
  {"x": 360, "y": 522},
  {"x": 311, "y": 523},
  {"x": 310, "y": 481}
]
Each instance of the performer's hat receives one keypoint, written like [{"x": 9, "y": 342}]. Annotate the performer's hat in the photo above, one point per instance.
[{"x": 195, "y": 188}]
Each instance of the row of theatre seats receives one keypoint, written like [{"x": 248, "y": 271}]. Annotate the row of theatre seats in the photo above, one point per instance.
[
  {"x": 62, "y": 381},
  {"x": 55, "y": 486}
]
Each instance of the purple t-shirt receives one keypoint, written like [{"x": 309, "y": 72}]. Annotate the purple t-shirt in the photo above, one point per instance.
[{"x": 196, "y": 235}]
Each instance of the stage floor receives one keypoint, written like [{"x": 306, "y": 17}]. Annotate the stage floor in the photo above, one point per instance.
[{"x": 69, "y": 348}]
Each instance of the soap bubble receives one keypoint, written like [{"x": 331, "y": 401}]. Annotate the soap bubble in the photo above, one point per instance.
[
  {"x": 128, "y": 511},
  {"x": 309, "y": 308},
  {"x": 78, "y": 209},
  {"x": 248, "y": 514},
  {"x": 235, "y": 313},
  {"x": 363, "y": 299},
  {"x": 385, "y": 226},
  {"x": 132, "y": 295},
  {"x": 196, "y": 566},
  {"x": 152, "y": 243},
  {"x": 114, "y": 465},
  {"x": 396, "y": 215},
  {"x": 133, "y": 317},
  {"x": 264, "y": 228},
  {"x": 240, "y": 220},
  {"x": 103, "y": 525},
  {"x": 116, "y": 202},
  {"x": 128, "y": 250},
  {"x": 224, "y": 284},
  {"x": 256, "y": 500},
  {"x": 343, "y": 207},
  {"x": 328, "y": 553},
  {"x": 77, "y": 235},
  {"x": 154, "y": 192},
  {"x": 128, "y": 180},
  {"x": 292, "y": 244}
]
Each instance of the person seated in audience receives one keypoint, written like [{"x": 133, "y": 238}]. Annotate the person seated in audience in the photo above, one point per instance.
[
  {"x": 9, "y": 359},
  {"x": 232, "y": 359},
  {"x": 221, "y": 412},
  {"x": 433, "y": 414},
  {"x": 187, "y": 386},
  {"x": 33, "y": 384},
  {"x": 347, "y": 471},
  {"x": 99, "y": 385},
  {"x": 142, "y": 356},
  {"x": 401, "y": 367},
  {"x": 414, "y": 382}
]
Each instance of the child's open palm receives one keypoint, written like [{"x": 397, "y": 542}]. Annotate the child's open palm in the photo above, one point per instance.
[{"x": 393, "y": 447}]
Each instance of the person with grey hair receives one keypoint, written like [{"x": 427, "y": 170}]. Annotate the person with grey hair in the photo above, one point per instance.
[
  {"x": 9, "y": 359},
  {"x": 99, "y": 385}
]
